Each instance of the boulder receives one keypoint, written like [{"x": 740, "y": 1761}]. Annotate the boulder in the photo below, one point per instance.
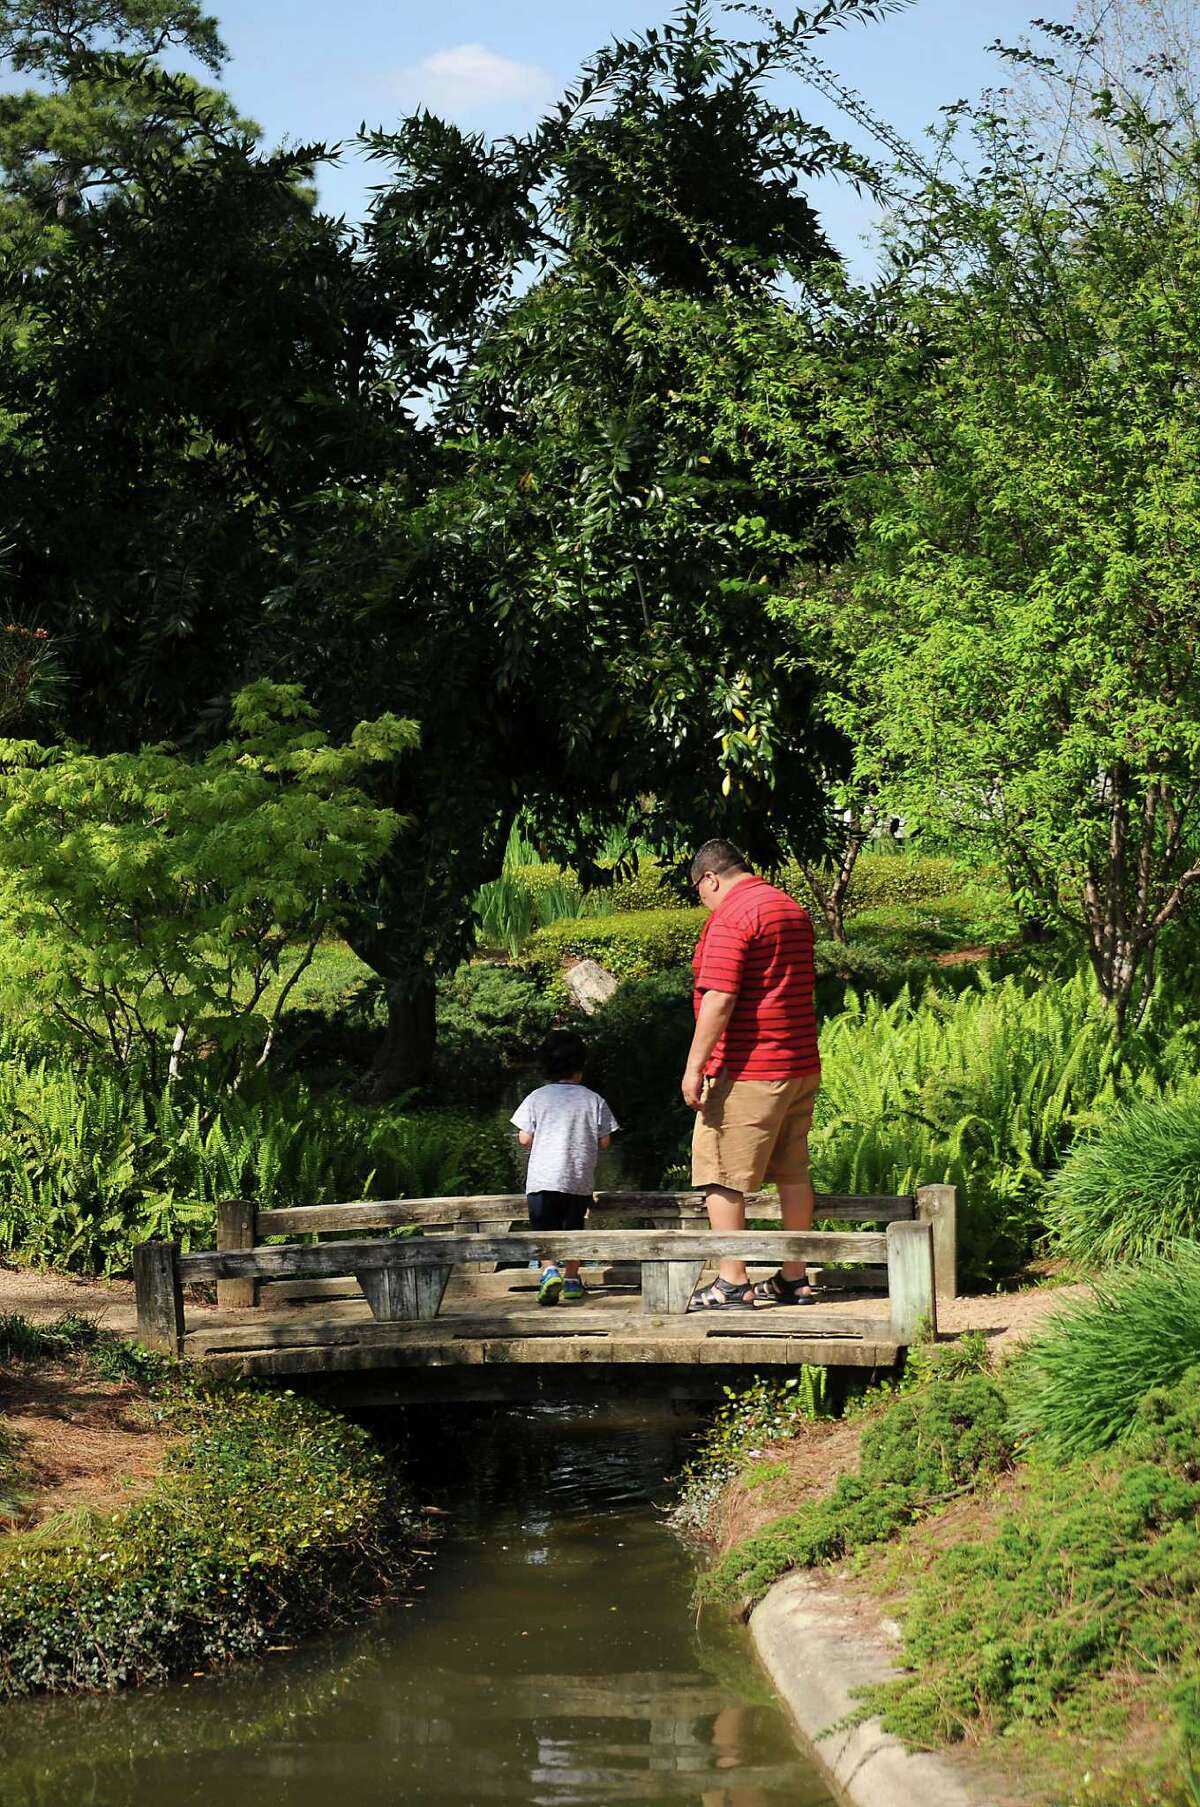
[{"x": 589, "y": 985}]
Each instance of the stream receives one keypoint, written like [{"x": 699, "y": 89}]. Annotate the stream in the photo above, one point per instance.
[{"x": 548, "y": 1658}]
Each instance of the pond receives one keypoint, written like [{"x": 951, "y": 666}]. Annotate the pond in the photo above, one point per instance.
[{"x": 549, "y": 1657}]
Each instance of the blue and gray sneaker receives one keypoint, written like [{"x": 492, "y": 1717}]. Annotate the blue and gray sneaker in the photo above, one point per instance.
[
  {"x": 574, "y": 1292},
  {"x": 550, "y": 1286}
]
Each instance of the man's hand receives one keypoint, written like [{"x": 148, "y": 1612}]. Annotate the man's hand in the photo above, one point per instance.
[{"x": 693, "y": 1087}]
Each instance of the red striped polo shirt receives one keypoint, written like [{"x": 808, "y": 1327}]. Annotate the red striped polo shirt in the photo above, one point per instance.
[{"x": 758, "y": 942}]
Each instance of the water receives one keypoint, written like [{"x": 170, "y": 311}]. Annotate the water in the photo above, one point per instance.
[{"x": 550, "y": 1660}]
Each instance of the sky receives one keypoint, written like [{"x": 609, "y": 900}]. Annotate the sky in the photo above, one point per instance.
[{"x": 313, "y": 70}]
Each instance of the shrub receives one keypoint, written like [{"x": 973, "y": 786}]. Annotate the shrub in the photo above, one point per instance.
[
  {"x": 925, "y": 1445},
  {"x": 273, "y": 1517},
  {"x": 1132, "y": 1187},
  {"x": 489, "y": 1019},
  {"x": 1089, "y": 1580},
  {"x": 1078, "y": 1387},
  {"x": 637, "y": 1048},
  {"x": 525, "y": 898},
  {"x": 632, "y": 946}
]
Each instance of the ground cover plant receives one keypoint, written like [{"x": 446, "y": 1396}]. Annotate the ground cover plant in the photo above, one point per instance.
[
  {"x": 1130, "y": 1188},
  {"x": 947, "y": 1433},
  {"x": 1082, "y": 1591},
  {"x": 272, "y": 1518}
]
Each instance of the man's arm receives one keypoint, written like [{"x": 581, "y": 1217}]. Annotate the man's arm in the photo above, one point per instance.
[{"x": 716, "y": 1008}]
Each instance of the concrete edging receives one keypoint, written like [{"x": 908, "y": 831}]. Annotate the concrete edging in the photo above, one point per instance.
[{"x": 817, "y": 1655}]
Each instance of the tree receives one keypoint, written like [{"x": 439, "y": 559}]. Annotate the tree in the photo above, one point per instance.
[
  {"x": 156, "y": 909},
  {"x": 101, "y": 107},
  {"x": 1023, "y": 619},
  {"x": 575, "y": 606}
]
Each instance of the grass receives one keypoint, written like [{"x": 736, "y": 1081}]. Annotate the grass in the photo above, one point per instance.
[
  {"x": 1079, "y": 1386},
  {"x": 1131, "y": 1188}
]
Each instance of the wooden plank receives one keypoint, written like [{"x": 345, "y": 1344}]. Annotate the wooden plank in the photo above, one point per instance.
[
  {"x": 721, "y": 1354},
  {"x": 291, "y": 1292},
  {"x": 669, "y": 1285},
  {"x": 911, "y": 1296},
  {"x": 237, "y": 1229},
  {"x": 564, "y": 1322},
  {"x": 159, "y": 1295},
  {"x": 938, "y": 1207},
  {"x": 391, "y": 1213},
  {"x": 305, "y": 1260}
]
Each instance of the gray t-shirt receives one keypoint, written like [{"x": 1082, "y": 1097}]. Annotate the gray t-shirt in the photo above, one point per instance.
[{"x": 566, "y": 1122}]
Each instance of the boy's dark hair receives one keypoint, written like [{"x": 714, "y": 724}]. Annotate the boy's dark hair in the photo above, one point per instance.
[
  {"x": 562, "y": 1054},
  {"x": 718, "y": 856}
]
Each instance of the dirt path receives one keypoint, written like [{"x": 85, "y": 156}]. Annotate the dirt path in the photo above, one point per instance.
[{"x": 41, "y": 1297}]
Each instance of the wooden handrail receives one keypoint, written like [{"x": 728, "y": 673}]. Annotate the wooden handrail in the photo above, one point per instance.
[
  {"x": 392, "y": 1213},
  {"x": 304, "y": 1260}
]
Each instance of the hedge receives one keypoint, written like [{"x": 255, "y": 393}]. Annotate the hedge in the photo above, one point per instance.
[
  {"x": 632, "y": 946},
  {"x": 272, "y": 1518},
  {"x": 882, "y": 879}
]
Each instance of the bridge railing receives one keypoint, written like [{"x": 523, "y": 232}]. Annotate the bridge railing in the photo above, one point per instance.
[{"x": 405, "y": 1277}]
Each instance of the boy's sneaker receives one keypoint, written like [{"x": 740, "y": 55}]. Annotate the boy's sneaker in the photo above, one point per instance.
[
  {"x": 574, "y": 1292},
  {"x": 550, "y": 1287}
]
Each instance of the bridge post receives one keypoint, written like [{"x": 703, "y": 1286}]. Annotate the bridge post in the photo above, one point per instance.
[
  {"x": 911, "y": 1296},
  {"x": 938, "y": 1207},
  {"x": 237, "y": 1228},
  {"x": 159, "y": 1297}
]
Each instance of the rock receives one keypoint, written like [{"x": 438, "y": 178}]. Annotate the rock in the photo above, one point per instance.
[{"x": 590, "y": 985}]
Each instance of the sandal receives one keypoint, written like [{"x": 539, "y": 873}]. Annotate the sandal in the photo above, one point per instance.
[
  {"x": 778, "y": 1291},
  {"x": 724, "y": 1295}
]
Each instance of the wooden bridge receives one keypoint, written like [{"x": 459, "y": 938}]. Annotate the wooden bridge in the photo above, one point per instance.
[{"x": 443, "y": 1304}]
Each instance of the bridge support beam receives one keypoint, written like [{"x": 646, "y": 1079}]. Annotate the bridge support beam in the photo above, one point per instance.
[
  {"x": 404, "y": 1292},
  {"x": 667, "y": 1286}
]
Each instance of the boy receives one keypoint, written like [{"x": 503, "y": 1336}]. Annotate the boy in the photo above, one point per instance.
[{"x": 564, "y": 1126}]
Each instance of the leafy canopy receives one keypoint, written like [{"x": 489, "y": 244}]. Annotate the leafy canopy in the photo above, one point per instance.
[{"x": 149, "y": 901}]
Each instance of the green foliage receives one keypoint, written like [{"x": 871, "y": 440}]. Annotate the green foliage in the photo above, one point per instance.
[
  {"x": 1090, "y": 1578},
  {"x": 273, "y": 1517},
  {"x": 936, "y": 1441},
  {"x": 525, "y": 898},
  {"x": 148, "y": 901},
  {"x": 1077, "y": 1387},
  {"x": 490, "y": 1019},
  {"x": 1131, "y": 1187},
  {"x": 91, "y": 1164},
  {"x": 637, "y": 1047},
  {"x": 632, "y": 945},
  {"x": 764, "y": 1411},
  {"x": 985, "y": 1091}
]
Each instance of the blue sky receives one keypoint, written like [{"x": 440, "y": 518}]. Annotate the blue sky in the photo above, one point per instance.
[{"x": 313, "y": 69}]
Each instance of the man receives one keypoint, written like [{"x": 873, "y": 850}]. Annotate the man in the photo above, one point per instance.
[{"x": 753, "y": 1069}]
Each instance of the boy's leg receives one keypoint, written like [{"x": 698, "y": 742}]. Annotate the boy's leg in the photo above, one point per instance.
[{"x": 574, "y": 1210}]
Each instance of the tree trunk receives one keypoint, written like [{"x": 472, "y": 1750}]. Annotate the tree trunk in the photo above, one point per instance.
[{"x": 405, "y": 1058}]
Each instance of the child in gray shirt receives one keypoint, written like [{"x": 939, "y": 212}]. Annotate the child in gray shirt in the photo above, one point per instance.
[{"x": 564, "y": 1125}]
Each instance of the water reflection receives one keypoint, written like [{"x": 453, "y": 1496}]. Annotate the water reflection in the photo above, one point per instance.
[{"x": 551, "y": 1662}]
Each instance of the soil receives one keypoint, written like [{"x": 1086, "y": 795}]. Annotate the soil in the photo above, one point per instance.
[{"x": 82, "y": 1442}]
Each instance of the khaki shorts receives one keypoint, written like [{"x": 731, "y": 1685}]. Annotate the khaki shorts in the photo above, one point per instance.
[{"x": 751, "y": 1130}]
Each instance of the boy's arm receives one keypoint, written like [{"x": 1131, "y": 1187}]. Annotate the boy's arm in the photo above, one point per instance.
[
  {"x": 604, "y": 1142},
  {"x": 525, "y": 1138}
]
